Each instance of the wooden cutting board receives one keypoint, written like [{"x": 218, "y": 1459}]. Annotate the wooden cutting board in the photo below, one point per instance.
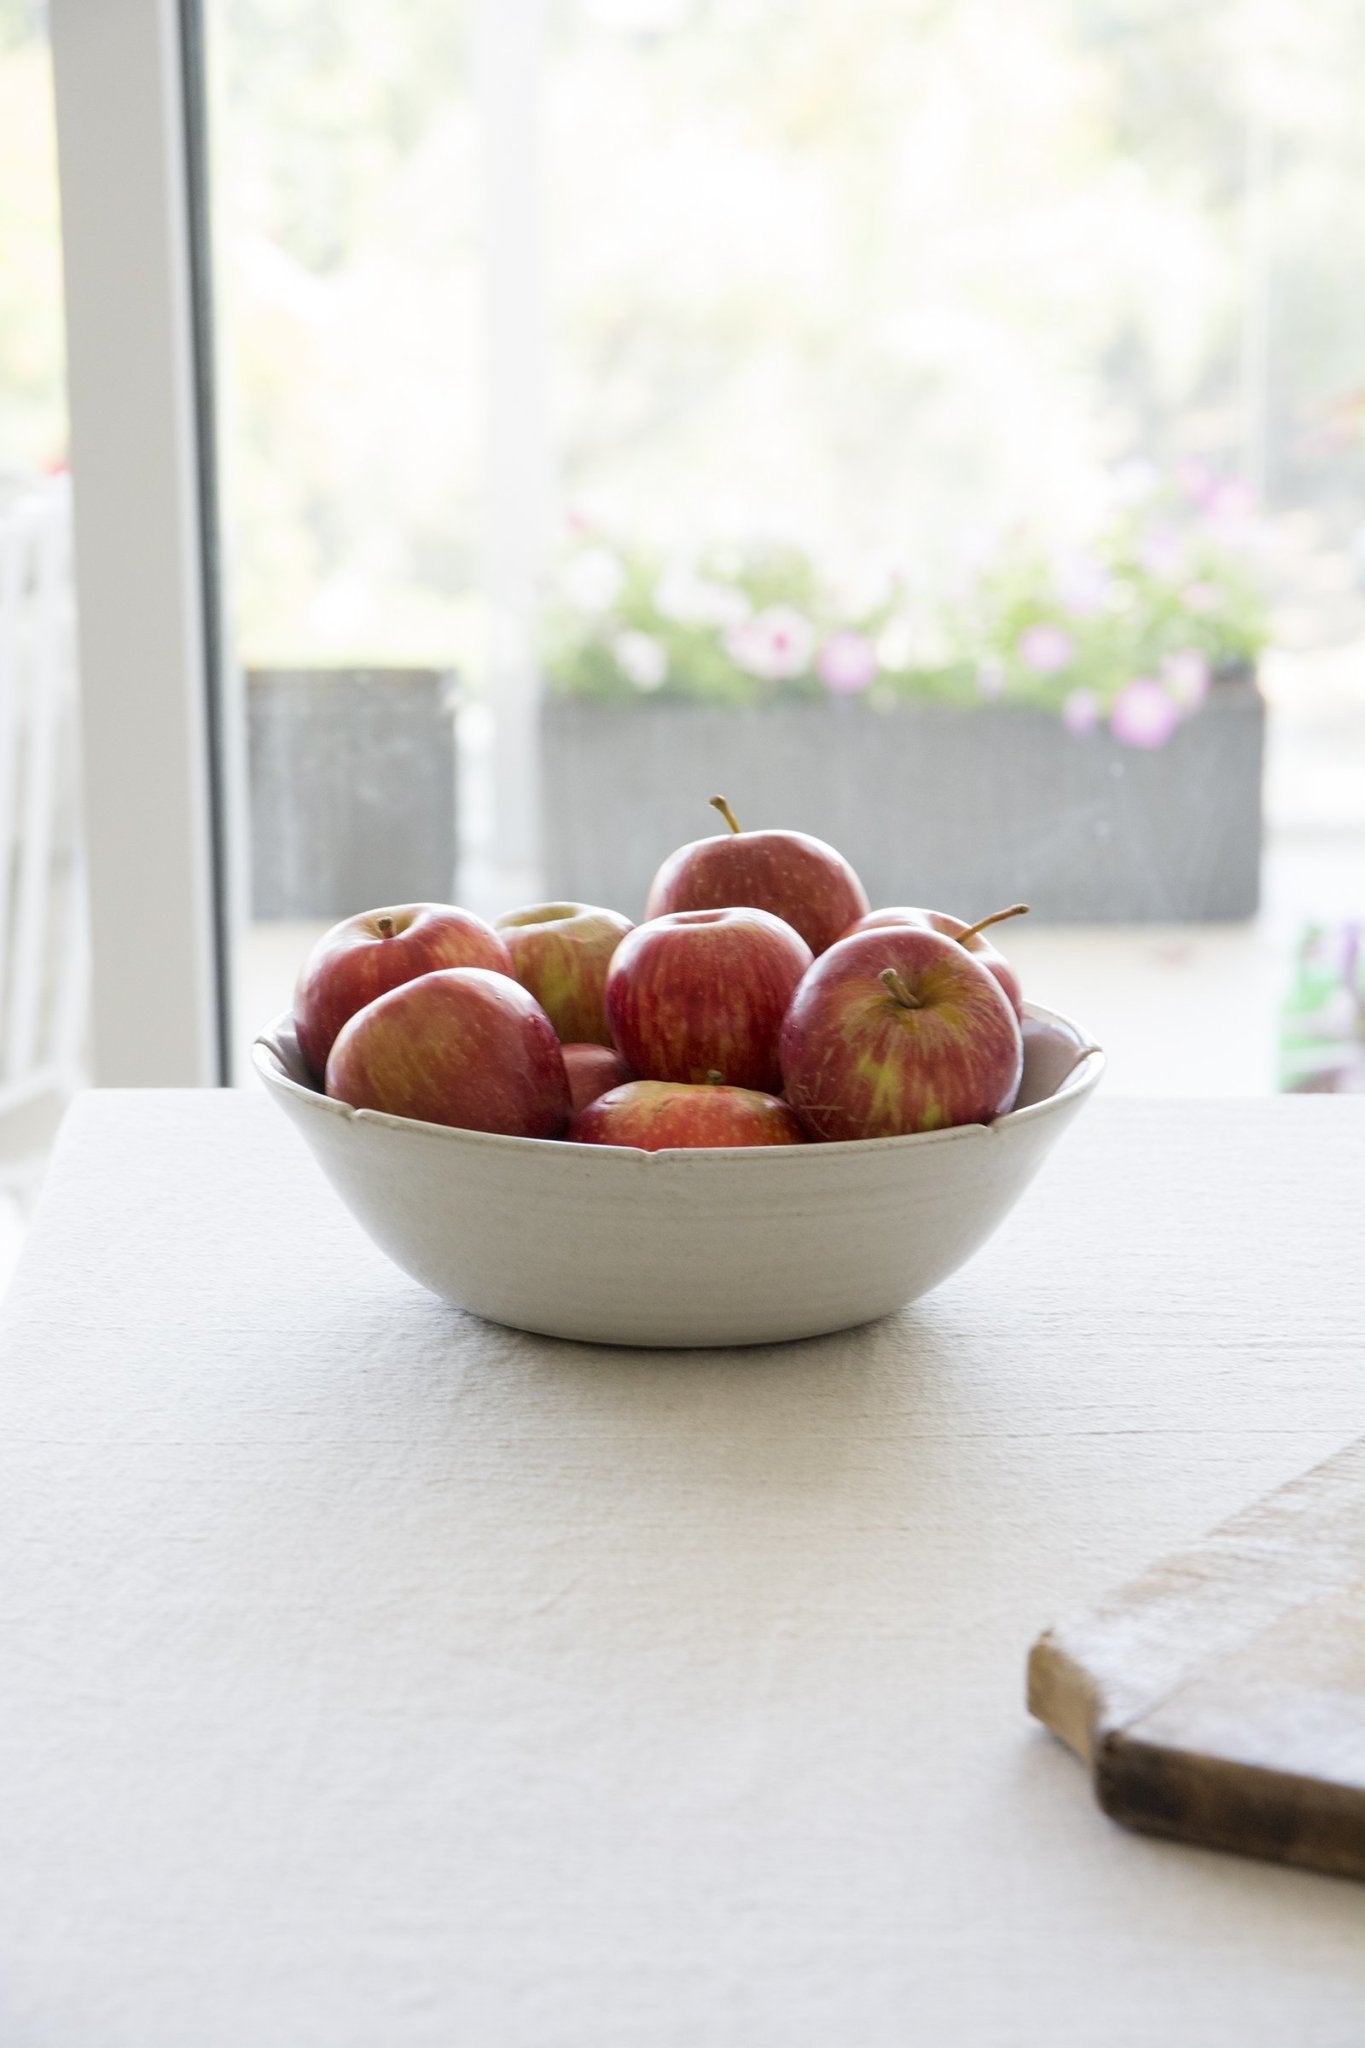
[{"x": 1220, "y": 1698}]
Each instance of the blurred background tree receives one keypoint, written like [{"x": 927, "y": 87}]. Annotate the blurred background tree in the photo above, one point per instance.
[{"x": 884, "y": 276}]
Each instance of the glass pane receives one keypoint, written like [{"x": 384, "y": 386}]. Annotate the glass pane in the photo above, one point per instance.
[
  {"x": 953, "y": 420},
  {"x": 994, "y": 369},
  {"x": 348, "y": 295}
]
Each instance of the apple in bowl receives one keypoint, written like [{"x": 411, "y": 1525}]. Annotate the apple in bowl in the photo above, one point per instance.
[
  {"x": 364, "y": 956},
  {"x": 592, "y": 1070},
  {"x": 561, "y": 952},
  {"x": 899, "y": 1031},
  {"x": 799, "y": 878},
  {"x": 704, "y": 992},
  {"x": 461, "y": 1046},
  {"x": 661, "y": 1116},
  {"x": 969, "y": 935}
]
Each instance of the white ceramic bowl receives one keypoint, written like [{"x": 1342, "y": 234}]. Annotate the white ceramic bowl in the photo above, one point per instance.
[{"x": 723, "y": 1246}]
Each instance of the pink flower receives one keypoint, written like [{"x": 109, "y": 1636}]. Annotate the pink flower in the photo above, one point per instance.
[
  {"x": 1081, "y": 712},
  {"x": 775, "y": 644},
  {"x": 1199, "y": 597},
  {"x": 1045, "y": 649},
  {"x": 1225, "y": 501},
  {"x": 1144, "y": 715},
  {"x": 848, "y": 663},
  {"x": 1231, "y": 504},
  {"x": 1196, "y": 479},
  {"x": 1186, "y": 676}
]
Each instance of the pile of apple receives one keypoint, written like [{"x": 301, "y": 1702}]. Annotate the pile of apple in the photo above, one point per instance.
[{"x": 761, "y": 1003}]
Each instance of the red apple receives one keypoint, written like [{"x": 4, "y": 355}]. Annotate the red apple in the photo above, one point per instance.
[
  {"x": 703, "y": 993},
  {"x": 364, "y": 956},
  {"x": 899, "y": 1030},
  {"x": 659, "y": 1116},
  {"x": 462, "y": 1046},
  {"x": 592, "y": 1069},
  {"x": 968, "y": 935},
  {"x": 797, "y": 878},
  {"x": 560, "y": 951}
]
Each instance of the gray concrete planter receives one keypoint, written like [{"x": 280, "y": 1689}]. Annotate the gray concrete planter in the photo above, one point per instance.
[
  {"x": 962, "y": 809},
  {"x": 352, "y": 789}
]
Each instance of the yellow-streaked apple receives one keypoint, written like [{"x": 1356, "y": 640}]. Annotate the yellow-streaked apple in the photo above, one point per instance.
[
  {"x": 561, "y": 952},
  {"x": 899, "y": 1030},
  {"x": 463, "y": 1046},
  {"x": 968, "y": 935}
]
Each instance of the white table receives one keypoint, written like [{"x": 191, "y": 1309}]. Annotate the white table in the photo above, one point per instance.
[{"x": 374, "y": 1676}]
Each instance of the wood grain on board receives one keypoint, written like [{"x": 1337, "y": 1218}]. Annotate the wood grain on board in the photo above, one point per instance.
[{"x": 1220, "y": 1698}]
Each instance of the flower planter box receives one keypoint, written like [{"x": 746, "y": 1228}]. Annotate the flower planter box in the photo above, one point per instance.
[
  {"x": 352, "y": 789},
  {"x": 963, "y": 809}
]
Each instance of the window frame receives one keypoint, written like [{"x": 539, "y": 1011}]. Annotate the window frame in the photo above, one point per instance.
[{"x": 162, "y": 793}]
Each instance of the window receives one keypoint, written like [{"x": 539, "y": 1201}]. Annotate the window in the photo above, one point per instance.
[{"x": 987, "y": 354}]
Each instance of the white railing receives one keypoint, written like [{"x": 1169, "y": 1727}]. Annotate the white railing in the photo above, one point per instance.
[{"x": 43, "y": 929}]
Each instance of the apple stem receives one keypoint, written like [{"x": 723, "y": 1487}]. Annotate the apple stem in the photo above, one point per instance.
[
  {"x": 720, "y": 803},
  {"x": 996, "y": 917},
  {"x": 892, "y": 981},
  {"x": 385, "y": 925},
  {"x": 713, "y": 1079}
]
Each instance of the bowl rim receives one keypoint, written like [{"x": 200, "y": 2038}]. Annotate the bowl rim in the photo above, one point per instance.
[{"x": 267, "y": 1058}]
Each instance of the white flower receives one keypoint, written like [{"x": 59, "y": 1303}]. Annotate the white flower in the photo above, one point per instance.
[
  {"x": 593, "y": 579},
  {"x": 685, "y": 595},
  {"x": 1134, "y": 480},
  {"x": 1186, "y": 675},
  {"x": 896, "y": 642},
  {"x": 641, "y": 659},
  {"x": 865, "y": 587},
  {"x": 775, "y": 644},
  {"x": 930, "y": 647},
  {"x": 906, "y": 642},
  {"x": 1081, "y": 583}
]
